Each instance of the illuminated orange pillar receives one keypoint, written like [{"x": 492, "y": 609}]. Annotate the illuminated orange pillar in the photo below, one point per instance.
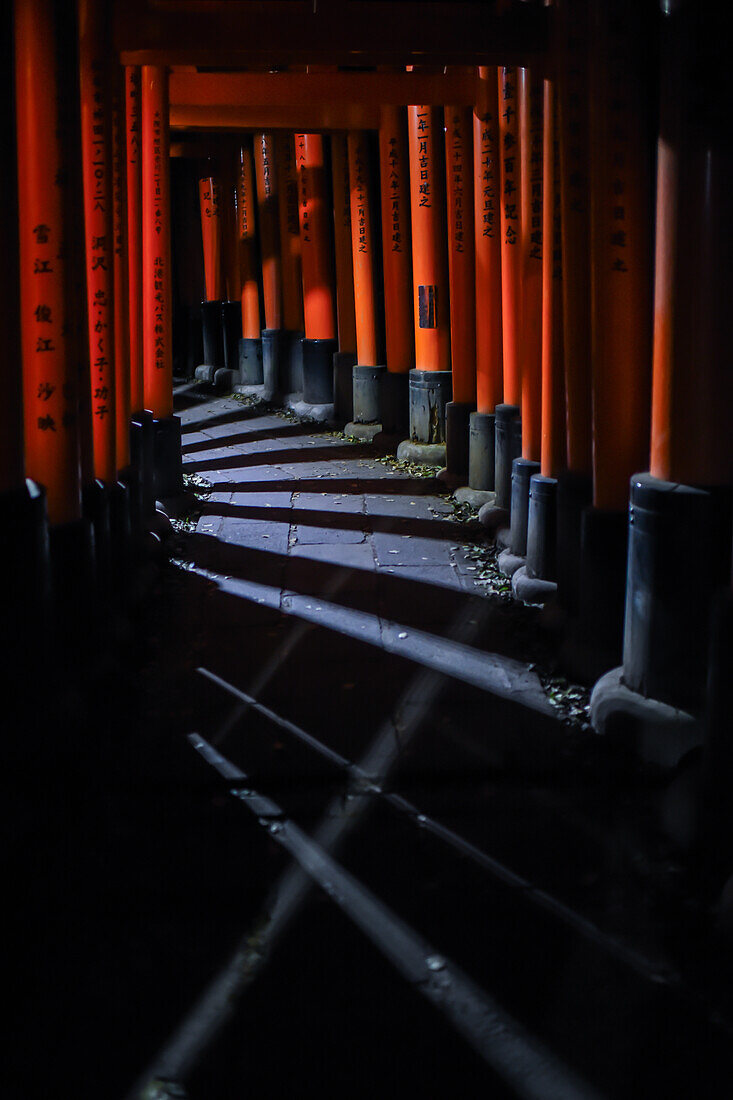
[
  {"x": 487, "y": 234},
  {"x": 210, "y": 206},
  {"x": 431, "y": 298},
  {"x": 98, "y": 227},
  {"x": 250, "y": 347},
  {"x": 157, "y": 343},
  {"x": 320, "y": 343},
  {"x": 134, "y": 234},
  {"x": 266, "y": 174},
  {"x": 287, "y": 193},
  {"x": 509, "y": 205},
  {"x": 121, "y": 287},
  {"x": 462, "y": 272},
  {"x": 49, "y": 364},
  {"x": 343, "y": 255},
  {"x": 231, "y": 306},
  {"x": 553, "y": 454},
  {"x": 247, "y": 233}
]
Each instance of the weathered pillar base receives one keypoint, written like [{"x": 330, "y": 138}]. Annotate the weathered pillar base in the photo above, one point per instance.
[
  {"x": 131, "y": 478},
  {"x": 250, "y": 368},
  {"x": 275, "y": 364},
  {"x": 318, "y": 371},
  {"x": 457, "y": 439},
  {"x": 481, "y": 448},
  {"x": 213, "y": 341},
  {"x": 367, "y": 390},
  {"x": 535, "y": 582},
  {"x": 507, "y": 447},
  {"x": 429, "y": 393},
  {"x": 512, "y": 558},
  {"x": 343, "y": 386},
  {"x": 95, "y": 503},
  {"x": 167, "y": 463},
  {"x": 120, "y": 526},
  {"x": 295, "y": 362},
  {"x": 396, "y": 403},
  {"x": 141, "y": 458},
  {"x": 574, "y": 495}
]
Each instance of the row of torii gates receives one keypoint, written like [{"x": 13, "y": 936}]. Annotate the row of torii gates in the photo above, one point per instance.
[{"x": 482, "y": 258}]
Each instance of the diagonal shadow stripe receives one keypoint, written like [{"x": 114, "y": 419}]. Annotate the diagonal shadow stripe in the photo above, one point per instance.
[
  {"x": 287, "y": 430},
  {"x": 274, "y": 458}
]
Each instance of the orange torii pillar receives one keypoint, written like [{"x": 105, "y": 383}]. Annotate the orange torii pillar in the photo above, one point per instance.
[
  {"x": 211, "y": 231},
  {"x": 157, "y": 342},
  {"x": 621, "y": 317},
  {"x": 141, "y": 425},
  {"x": 530, "y": 311},
  {"x": 367, "y": 372},
  {"x": 268, "y": 205},
  {"x": 575, "y": 486},
  {"x": 96, "y": 151},
  {"x": 680, "y": 512},
  {"x": 489, "y": 350},
  {"x": 290, "y": 380},
  {"x": 24, "y": 533},
  {"x": 430, "y": 380},
  {"x": 250, "y": 345},
  {"x": 399, "y": 325},
  {"x": 231, "y": 306},
  {"x": 462, "y": 273},
  {"x": 48, "y": 342},
  {"x": 507, "y": 424},
  {"x": 535, "y": 581},
  {"x": 319, "y": 343},
  {"x": 345, "y": 358}
]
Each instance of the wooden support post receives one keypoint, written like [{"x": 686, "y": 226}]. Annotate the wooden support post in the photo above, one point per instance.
[
  {"x": 319, "y": 344},
  {"x": 250, "y": 371},
  {"x": 287, "y": 193},
  {"x": 134, "y": 234},
  {"x": 430, "y": 382},
  {"x": 269, "y": 221},
  {"x": 346, "y": 357},
  {"x": 367, "y": 373},
  {"x": 121, "y": 284},
  {"x": 462, "y": 272},
  {"x": 157, "y": 346}
]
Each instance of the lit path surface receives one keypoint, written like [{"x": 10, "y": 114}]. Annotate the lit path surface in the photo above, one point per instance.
[{"x": 408, "y": 925}]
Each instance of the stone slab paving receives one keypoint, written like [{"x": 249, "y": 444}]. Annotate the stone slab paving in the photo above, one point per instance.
[{"x": 356, "y": 512}]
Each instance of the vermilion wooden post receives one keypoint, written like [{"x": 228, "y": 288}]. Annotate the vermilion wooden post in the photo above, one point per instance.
[
  {"x": 319, "y": 344},
  {"x": 134, "y": 233},
  {"x": 530, "y": 308},
  {"x": 292, "y": 275},
  {"x": 157, "y": 345},
  {"x": 507, "y": 426},
  {"x": 430, "y": 382},
  {"x": 266, "y": 174},
  {"x": 346, "y": 357},
  {"x": 231, "y": 307},
  {"x": 489, "y": 350},
  {"x": 121, "y": 286},
  {"x": 462, "y": 272},
  {"x": 367, "y": 372},
  {"x": 397, "y": 266},
  {"x": 211, "y": 233},
  {"x": 250, "y": 347},
  {"x": 97, "y": 176},
  {"x": 575, "y": 487},
  {"x": 49, "y": 368}
]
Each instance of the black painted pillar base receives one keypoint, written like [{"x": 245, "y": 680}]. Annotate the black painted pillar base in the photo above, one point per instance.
[
  {"x": 523, "y": 469},
  {"x": 95, "y": 505},
  {"x": 395, "y": 414},
  {"x": 73, "y": 560},
  {"x": 481, "y": 447},
  {"x": 600, "y": 623},
  {"x": 542, "y": 528},
  {"x": 131, "y": 478},
  {"x": 295, "y": 362},
  {"x": 212, "y": 334},
  {"x": 457, "y": 418},
  {"x": 507, "y": 447},
  {"x": 250, "y": 371},
  {"x": 24, "y": 562},
  {"x": 142, "y": 459},
  {"x": 574, "y": 495},
  {"x": 430, "y": 392},
  {"x": 276, "y": 352},
  {"x": 343, "y": 385},
  {"x": 367, "y": 388},
  {"x": 120, "y": 524},
  {"x": 167, "y": 463},
  {"x": 318, "y": 371},
  {"x": 231, "y": 327},
  {"x": 193, "y": 352}
]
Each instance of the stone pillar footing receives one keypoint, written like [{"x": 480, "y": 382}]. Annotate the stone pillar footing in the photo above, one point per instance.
[
  {"x": 395, "y": 413},
  {"x": 318, "y": 372},
  {"x": 430, "y": 392},
  {"x": 275, "y": 364},
  {"x": 508, "y": 562},
  {"x": 295, "y": 362},
  {"x": 365, "y": 432},
  {"x": 523, "y": 469},
  {"x": 507, "y": 447},
  {"x": 481, "y": 451},
  {"x": 424, "y": 454},
  {"x": 477, "y": 498},
  {"x": 141, "y": 458},
  {"x": 367, "y": 388},
  {"x": 531, "y": 589},
  {"x": 457, "y": 438},
  {"x": 542, "y": 529},
  {"x": 95, "y": 504},
  {"x": 343, "y": 385},
  {"x": 231, "y": 327},
  {"x": 250, "y": 362},
  {"x": 574, "y": 494},
  {"x": 167, "y": 464}
]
